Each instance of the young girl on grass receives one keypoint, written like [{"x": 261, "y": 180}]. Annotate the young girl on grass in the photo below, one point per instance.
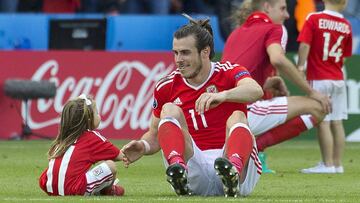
[{"x": 76, "y": 148}]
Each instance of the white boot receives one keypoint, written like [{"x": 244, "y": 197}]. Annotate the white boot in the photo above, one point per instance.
[
  {"x": 339, "y": 169},
  {"x": 320, "y": 168}
]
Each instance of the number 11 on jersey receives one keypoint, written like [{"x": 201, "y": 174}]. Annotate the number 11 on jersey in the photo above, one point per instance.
[{"x": 192, "y": 113}]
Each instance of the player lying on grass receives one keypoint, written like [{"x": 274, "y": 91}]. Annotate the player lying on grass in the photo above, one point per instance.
[{"x": 76, "y": 148}]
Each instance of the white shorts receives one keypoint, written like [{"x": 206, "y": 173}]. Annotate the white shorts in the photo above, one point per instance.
[
  {"x": 98, "y": 178},
  {"x": 264, "y": 115},
  {"x": 336, "y": 90},
  {"x": 202, "y": 178}
]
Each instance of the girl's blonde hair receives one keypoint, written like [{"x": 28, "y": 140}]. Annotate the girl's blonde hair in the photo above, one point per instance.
[{"x": 76, "y": 117}]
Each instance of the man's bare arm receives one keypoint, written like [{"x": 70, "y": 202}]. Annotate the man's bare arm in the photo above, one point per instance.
[{"x": 287, "y": 68}]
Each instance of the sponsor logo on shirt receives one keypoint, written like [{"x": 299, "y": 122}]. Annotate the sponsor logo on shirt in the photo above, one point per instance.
[{"x": 212, "y": 89}]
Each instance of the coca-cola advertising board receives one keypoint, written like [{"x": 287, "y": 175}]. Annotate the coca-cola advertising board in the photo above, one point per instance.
[{"x": 121, "y": 83}]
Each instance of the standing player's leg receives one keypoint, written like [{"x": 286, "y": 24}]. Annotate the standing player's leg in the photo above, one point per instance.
[
  {"x": 326, "y": 141},
  {"x": 176, "y": 144},
  {"x": 339, "y": 113},
  {"x": 339, "y": 144},
  {"x": 331, "y": 133}
]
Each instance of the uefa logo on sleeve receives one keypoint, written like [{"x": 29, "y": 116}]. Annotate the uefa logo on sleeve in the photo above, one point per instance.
[{"x": 155, "y": 104}]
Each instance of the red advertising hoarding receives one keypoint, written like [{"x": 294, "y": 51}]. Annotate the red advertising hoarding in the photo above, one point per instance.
[{"x": 121, "y": 83}]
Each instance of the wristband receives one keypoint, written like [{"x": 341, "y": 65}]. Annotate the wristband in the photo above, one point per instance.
[{"x": 146, "y": 145}]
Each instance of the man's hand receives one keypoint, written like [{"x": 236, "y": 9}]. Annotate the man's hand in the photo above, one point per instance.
[
  {"x": 208, "y": 101},
  {"x": 276, "y": 86},
  {"x": 323, "y": 99},
  {"x": 132, "y": 151}
]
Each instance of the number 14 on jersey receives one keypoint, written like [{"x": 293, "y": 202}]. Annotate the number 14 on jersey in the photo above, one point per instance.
[{"x": 335, "y": 50}]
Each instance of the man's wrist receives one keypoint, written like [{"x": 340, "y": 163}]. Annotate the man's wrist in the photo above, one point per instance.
[{"x": 146, "y": 146}]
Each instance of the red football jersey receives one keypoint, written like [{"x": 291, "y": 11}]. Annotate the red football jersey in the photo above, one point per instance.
[
  {"x": 207, "y": 130},
  {"x": 247, "y": 45},
  {"x": 66, "y": 174},
  {"x": 329, "y": 35}
]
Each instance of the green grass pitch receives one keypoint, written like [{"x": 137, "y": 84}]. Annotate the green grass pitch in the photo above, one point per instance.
[{"x": 21, "y": 163}]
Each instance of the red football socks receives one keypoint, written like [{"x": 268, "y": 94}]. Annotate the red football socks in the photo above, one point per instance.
[
  {"x": 286, "y": 131},
  {"x": 238, "y": 147},
  {"x": 172, "y": 143}
]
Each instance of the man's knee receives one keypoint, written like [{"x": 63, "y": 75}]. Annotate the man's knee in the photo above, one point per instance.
[
  {"x": 236, "y": 117},
  {"x": 299, "y": 105},
  {"x": 112, "y": 165},
  {"x": 170, "y": 109},
  {"x": 317, "y": 111}
]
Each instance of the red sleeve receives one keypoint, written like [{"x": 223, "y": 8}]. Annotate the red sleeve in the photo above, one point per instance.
[
  {"x": 101, "y": 148},
  {"x": 276, "y": 35},
  {"x": 306, "y": 34},
  {"x": 348, "y": 45},
  {"x": 162, "y": 89},
  {"x": 156, "y": 107},
  {"x": 238, "y": 73}
]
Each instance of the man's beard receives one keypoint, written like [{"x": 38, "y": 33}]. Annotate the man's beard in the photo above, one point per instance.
[{"x": 195, "y": 73}]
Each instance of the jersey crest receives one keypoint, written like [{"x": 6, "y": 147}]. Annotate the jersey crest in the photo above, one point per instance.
[{"x": 212, "y": 89}]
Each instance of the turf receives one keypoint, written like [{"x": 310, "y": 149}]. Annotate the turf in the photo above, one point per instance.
[{"x": 21, "y": 163}]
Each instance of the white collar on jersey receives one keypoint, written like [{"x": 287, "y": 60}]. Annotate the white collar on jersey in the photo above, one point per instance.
[
  {"x": 200, "y": 86},
  {"x": 334, "y": 13}
]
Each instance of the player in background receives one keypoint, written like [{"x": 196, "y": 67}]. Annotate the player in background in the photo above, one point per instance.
[
  {"x": 259, "y": 45},
  {"x": 76, "y": 148},
  {"x": 325, "y": 41},
  {"x": 199, "y": 120}
]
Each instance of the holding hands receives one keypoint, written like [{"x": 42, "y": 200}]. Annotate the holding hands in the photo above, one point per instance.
[{"x": 132, "y": 151}]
